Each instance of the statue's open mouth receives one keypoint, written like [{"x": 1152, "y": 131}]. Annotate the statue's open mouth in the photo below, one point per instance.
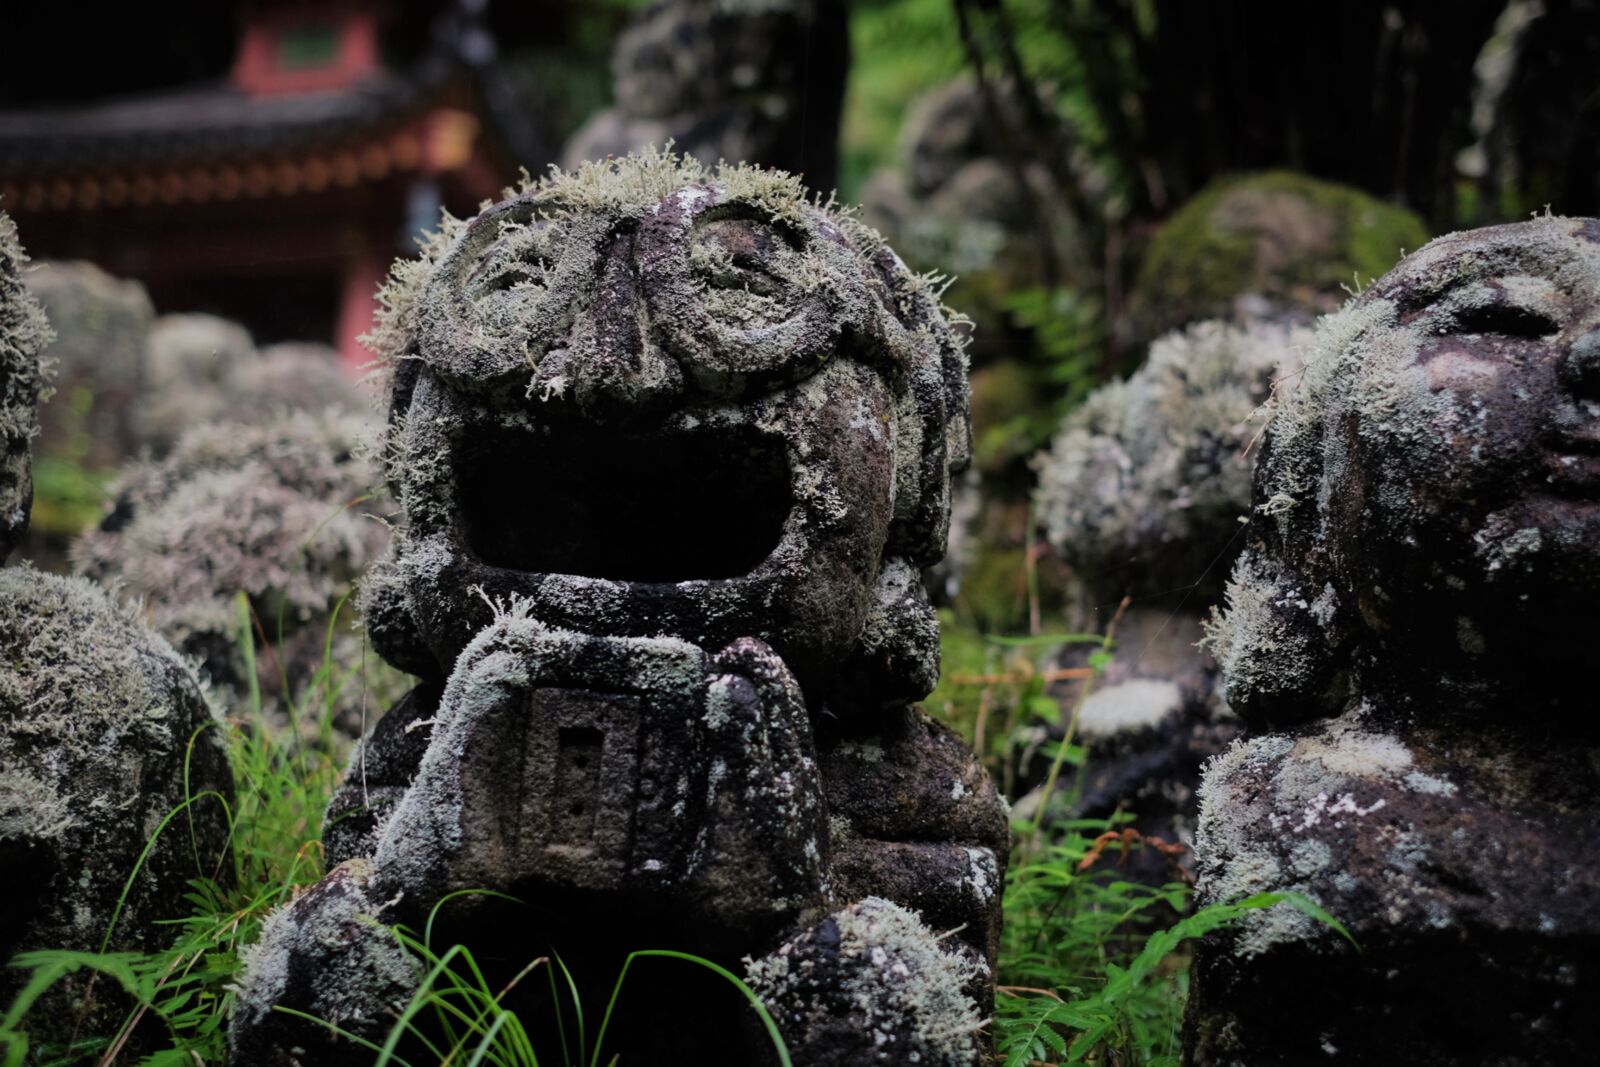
[{"x": 594, "y": 502}]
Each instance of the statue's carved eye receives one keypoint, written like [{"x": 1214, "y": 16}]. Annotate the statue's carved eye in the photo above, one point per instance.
[
  {"x": 1515, "y": 306},
  {"x": 741, "y": 254},
  {"x": 1503, "y": 320},
  {"x": 747, "y": 270},
  {"x": 517, "y": 260}
]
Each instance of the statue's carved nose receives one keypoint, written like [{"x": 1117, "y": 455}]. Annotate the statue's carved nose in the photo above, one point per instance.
[
  {"x": 1579, "y": 369},
  {"x": 610, "y": 367}
]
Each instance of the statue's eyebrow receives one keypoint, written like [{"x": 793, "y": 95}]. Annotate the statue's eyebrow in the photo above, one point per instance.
[{"x": 1512, "y": 285}]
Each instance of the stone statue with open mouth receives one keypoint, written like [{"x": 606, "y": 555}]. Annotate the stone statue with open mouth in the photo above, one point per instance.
[{"x": 672, "y": 448}]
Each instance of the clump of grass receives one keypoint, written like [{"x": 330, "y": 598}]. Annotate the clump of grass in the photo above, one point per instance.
[
  {"x": 1093, "y": 965},
  {"x": 457, "y": 1015}
]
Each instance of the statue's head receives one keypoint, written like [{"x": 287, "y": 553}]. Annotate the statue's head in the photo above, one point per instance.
[
  {"x": 23, "y": 334},
  {"x": 1430, "y": 494},
  {"x": 651, "y": 399},
  {"x": 1142, "y": 490}
]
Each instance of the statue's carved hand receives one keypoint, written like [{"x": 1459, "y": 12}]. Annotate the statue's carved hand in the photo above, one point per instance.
[{"x": 761, "y": 857}]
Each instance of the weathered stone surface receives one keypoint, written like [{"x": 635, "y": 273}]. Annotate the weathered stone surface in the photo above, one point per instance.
[
  {"x": 1277, "y": 244},
  {"x": 279, "y": 511},
  {"x": 673, "y": 447},
  {"x": 23, "y": 332},
  {"x": 1465, "y": 865},
  {"x": 97, "y": 718},
  {"x": 1409, "y": 630}
]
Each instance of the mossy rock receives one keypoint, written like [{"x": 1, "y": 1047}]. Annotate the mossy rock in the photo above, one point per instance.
[
  {"x": 104, "y": 733},
  {"x": 1292, "y": 241}
]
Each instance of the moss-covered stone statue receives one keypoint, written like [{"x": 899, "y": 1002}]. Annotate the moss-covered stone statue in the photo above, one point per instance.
[
  {"x": 23, "y": 332},
  {"x": 281, "y": 511},
  {"x": 1142, "y": 494},
  {"x": 104, "y": 733},
  {"x": 1277, "y": 244},
  {"x": 673, "y": 447},
  {"x": 755, "y": 80},
  {"x": 1409, "y": 633}
]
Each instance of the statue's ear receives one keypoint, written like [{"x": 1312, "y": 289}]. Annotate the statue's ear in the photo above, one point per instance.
[
  {"x": 386, "y": 613},
  {"x": 895, "y": 661},
  {"x": 1283, "y": 646}
]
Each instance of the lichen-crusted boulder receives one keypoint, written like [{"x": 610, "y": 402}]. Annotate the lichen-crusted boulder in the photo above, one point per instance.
[
  {"x": 101, "y": 726},
  {"x": 673, "y": 447},
  {"x": 1142, "y": 494},
  {"x": 280, "y": 511},
  {"x": 1408, "y": 632},
  {"x": 1275, "y": 244},
  {"x": 23, "y": 332},
  {"x": 104, "y": 734},
  {"x": 101, "y": 324}
]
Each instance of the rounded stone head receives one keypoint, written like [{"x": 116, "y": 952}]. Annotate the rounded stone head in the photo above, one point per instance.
[
  {"x": 23, "y": 334},
  {"x": 1429, "y": 497},
  {"x": 650, "y": 399}
]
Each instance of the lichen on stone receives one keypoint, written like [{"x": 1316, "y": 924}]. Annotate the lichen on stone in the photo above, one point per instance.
[
  {"x": 1291, "y": 241},
  {"x": 282, "y": 512},
  {"x": 1152, "y": 475},
  {"x": 103, "y": 733},
  {"x": 874, "y": 986},
  {"x": 24, "y": 382}
]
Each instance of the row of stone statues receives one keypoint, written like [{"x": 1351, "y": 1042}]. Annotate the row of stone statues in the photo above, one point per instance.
[{"x": 672, "y": 448}]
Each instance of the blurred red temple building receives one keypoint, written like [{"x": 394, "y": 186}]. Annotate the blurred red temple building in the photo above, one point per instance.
[{"x": 278, "y": 195}]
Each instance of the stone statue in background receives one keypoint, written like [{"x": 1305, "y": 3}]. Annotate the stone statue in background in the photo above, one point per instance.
[
  {"x": 103, "y": 734},
  {"x": 1142, "y": 494},
  {"x": 100, "y": 324},
  {"x": 1408, "y": 634},
  {"x": 204, "y": 369},
  {"x": 673, "y": 447},
  {"x": 1275, "y": 244},
  {"x": 754, "y": 81},
  {"x": 131, "y": 383},
  {"x": 967, "y": 198},
  {"x": 283, "y": 511}
]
